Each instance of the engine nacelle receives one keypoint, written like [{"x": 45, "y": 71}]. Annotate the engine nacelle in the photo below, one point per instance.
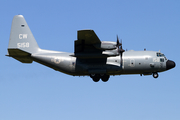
[{"x": 106, "y": 45}]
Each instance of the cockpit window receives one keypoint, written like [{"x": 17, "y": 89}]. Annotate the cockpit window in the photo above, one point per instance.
[{"x": 160, "y": 55}]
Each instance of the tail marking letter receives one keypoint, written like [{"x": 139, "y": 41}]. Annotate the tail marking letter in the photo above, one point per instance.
[{"x": 23, "y": 36}]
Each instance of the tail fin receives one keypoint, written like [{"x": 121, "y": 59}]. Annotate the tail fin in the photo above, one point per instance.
[{"x": 22, "y": 42}]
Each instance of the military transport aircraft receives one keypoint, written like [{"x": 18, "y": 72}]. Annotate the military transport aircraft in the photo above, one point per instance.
[{"x": 91, "y": 57}]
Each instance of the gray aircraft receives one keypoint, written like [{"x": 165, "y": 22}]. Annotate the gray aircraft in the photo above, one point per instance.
[{"x": 91, "y": 57}]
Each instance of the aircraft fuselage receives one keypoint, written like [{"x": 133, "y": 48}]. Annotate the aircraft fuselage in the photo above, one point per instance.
[{"x": 133, "y": 62}]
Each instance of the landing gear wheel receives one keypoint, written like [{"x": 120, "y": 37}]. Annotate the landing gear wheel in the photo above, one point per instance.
[
  {"x": 155, "y": 75},
  {"x": 95, "y": 77},
  {"x": 105, "y": 77}
]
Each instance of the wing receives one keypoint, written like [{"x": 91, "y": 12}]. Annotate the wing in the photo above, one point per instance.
[
  {"x": 88, "y": 46},
  {"x": 86, "y": 39},
  {"x": 86, "y": 50}
]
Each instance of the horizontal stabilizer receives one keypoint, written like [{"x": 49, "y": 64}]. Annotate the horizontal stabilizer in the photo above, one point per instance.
[{"x": 20, "y": 55}]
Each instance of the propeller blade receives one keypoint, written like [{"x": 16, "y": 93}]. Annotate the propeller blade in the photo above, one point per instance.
[
  {"x": 118, "y": 43},
  {"x": 120, "y": 49}
]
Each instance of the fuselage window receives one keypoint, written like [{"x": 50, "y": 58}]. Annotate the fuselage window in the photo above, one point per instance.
[{"x": 161, "y": 59}]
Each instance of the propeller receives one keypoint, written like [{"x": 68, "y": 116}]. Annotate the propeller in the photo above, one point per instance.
[{"x": 120, "y": 49}]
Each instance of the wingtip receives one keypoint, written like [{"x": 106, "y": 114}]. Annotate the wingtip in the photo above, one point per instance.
[{"x": 85, "y": 30}]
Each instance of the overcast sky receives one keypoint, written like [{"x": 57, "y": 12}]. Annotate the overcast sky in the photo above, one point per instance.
[{"x": 36, "y": 92}]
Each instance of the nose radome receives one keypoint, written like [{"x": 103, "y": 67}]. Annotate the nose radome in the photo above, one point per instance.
[{"x": 170, "y": 64}]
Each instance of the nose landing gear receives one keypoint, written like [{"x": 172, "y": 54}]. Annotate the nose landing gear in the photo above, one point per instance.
[{"x": 155, "y": 75}]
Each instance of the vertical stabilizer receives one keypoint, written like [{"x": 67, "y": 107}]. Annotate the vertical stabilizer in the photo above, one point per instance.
[{"x": 21, "y": 37}]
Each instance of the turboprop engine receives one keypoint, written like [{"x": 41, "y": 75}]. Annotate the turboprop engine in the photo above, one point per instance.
[{"x": 106, "y": 45}]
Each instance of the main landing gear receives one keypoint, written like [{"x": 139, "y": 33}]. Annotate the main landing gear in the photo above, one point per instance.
[{"x": 97, "y": 77}]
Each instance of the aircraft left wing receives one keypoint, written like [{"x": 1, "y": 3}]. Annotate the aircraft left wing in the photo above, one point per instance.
[
  {"x": 85, "y": 43},
  {"x": 89, "y": 36},
  {"x": 88, "y": 45}
]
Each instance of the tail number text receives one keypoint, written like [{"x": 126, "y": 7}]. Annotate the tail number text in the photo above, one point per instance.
[{"x": 23, "y": 45}]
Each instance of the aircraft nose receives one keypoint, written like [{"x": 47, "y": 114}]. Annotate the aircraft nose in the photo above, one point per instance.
[{"x": 170, "y": 64}]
